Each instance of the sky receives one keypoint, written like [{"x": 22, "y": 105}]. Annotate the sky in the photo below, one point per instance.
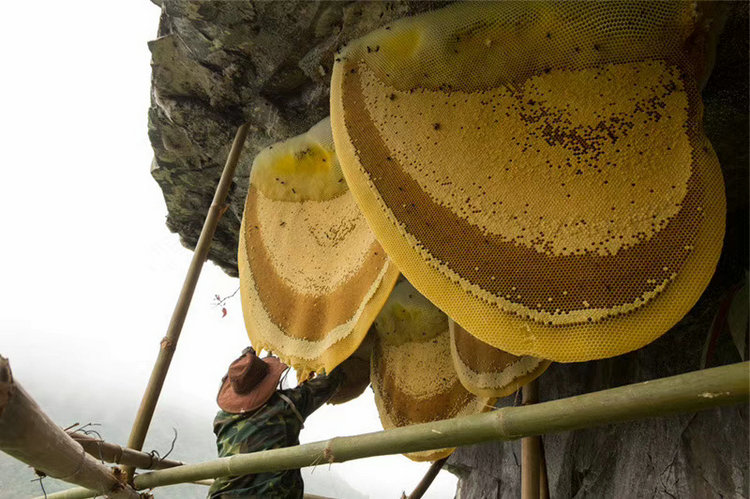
[{"x": 89, "y": 273}]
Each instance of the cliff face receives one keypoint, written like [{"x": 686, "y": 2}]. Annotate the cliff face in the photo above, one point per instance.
[{"x": 217, "y": 64}]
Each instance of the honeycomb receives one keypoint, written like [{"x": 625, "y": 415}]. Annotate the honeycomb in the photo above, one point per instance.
[
  {"x": 412, "y": 373},
  {"x": 312, "y": 274},
  {"x": 487, "y": 371},
  {"x": 539, "y": 170}
]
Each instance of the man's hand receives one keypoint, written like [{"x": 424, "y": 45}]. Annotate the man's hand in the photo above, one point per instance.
[{"x": 356, "y": 373}]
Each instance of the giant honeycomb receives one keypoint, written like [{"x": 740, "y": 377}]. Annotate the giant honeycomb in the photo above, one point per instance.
[
  {"x": 312, "y": 274},
  {"x": 539, "y": 171},
  {"x": 412, "y": 373}
]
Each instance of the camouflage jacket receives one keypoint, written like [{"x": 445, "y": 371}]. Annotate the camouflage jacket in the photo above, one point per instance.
[{"x": 271, "y": 426}]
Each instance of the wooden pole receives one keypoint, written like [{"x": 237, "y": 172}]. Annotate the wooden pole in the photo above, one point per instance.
[
  {"x": 543, "y": 482},
  {"x": 113, "y": 453},
  {"x": 169, "y": 342},
  {"x": 428, "y": 478},
  {"x": 689, "y": 392},
  {"x": 530, "y": 450},
  {"x": 29, "y": 435}
]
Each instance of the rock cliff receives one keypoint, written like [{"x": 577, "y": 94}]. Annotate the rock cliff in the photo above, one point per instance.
[{"x": 217, "y": 64}]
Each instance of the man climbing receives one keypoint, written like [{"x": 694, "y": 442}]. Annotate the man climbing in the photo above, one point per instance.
[{"x": 256, "y": 416}]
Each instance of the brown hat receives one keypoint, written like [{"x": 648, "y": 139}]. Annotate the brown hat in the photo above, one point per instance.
[{"x": 249, "y": 382}]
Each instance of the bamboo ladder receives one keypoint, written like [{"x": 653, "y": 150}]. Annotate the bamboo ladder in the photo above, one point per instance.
[{"x": 690, "y": 392}]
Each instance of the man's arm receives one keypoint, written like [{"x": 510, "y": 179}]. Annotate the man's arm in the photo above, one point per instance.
[{"x": 313, "y": 393}]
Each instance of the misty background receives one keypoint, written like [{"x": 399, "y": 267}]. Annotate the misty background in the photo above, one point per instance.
[{"x": 90, "y": 274}]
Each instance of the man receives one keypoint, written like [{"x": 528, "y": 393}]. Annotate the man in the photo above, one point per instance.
[{"x": 256, "y": 416}]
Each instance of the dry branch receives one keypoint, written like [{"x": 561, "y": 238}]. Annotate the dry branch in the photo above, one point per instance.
[
  {"x": 169, "y": 342},
  {"x": 29, "y": 435},
  {"x": 428, "y": 478}
]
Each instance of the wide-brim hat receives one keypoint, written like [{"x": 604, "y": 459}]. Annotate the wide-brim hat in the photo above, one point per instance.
[{"x": 249, "y": 383}]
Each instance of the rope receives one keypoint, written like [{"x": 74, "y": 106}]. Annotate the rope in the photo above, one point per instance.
[
  {"x": 294, "y": 408},
  {"x": 40, "y": 476},
  {"x": 155, "y": 454}
]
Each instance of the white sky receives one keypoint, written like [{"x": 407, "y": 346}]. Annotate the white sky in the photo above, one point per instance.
[{"x": 89, "y": 272}]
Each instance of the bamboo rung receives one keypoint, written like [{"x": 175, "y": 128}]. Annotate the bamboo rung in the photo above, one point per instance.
[{"x": 689, "y": 392}]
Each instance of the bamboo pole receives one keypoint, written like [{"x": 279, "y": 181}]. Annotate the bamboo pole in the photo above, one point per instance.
[
  {"x": 81, "y": 493},
  {"x": 113, "y": 453},
  {"x": 29, "y": 435},
  {"x": 689, "y": 392},
  {"x": 530, "y": 451},
  {"x": 427, "y": 479},
  {"x": 169, "y": 342}
]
